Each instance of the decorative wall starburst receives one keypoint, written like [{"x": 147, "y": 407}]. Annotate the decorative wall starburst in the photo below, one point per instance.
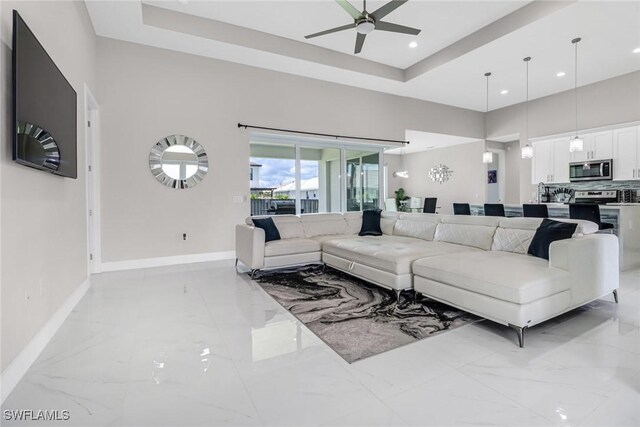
[{"x": 440, "y": 174}]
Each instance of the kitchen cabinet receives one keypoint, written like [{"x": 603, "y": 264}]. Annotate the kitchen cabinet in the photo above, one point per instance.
[
  {"x": 550, "y": 161},
  {"x": 542, "y": 162},
  {"x": 597, "y": 146},
  {"x": 561, "y": 160},
  {"x": 626, "y": 158}
]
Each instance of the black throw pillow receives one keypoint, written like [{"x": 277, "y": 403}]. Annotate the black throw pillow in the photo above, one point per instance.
[
  {"x": 270, "y": 230},
  {"x": 548, "y": 232},
  {"x": 371, "y": 223}
]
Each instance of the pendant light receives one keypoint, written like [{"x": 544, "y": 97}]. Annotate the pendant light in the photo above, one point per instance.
[
  {"x": 487, "y": 156},
  {"x": 576, "y": 143},
  {"x": 527, "y": 151},
  {"x": 403, "y": 172}
]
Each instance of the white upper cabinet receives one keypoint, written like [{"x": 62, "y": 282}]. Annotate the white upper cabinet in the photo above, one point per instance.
[
  {"x": 597, "y": 146},
  {"x": 561, "y": 160},
  {"x": 551, "y": 157},
  {"x": 542, "y": 162},
  {"x": 550, "y": 161},
  {"x": 626, "y": 158},
  {"x": 602, "y": 146}
]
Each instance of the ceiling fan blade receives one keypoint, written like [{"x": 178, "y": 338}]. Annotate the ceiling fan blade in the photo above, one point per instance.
[
  {"x": 332, "y": 30},
  {"x": 359, "y": 42},
  {"x": 387, "y": 9},
  {"x": 395, "y": 28},
  {"x": 355, "y": 13}
]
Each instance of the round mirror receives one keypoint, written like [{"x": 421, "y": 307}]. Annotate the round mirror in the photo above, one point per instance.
[{"x": 178, "y": 161}]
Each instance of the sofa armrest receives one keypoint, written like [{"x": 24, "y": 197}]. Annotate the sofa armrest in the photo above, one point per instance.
[
  {"x": 592, "y": 262},
  {"x": 250, "y": 246}
]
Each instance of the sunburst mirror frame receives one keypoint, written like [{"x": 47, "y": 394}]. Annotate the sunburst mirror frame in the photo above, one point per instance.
[
  {"x": 51, "y": 159},
  {"x": 440, "y": 174},
  {"x": 155, "y": 161}
]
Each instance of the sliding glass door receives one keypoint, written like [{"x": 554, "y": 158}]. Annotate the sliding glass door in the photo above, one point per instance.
[
  {"x": 311, "y": 176},
  {"x": 363, "y": 180}
]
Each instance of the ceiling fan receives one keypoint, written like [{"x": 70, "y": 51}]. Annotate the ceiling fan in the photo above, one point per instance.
[{"x": 365, "y": 22}]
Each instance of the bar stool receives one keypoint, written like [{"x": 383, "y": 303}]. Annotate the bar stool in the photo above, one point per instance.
[
  {"x": 493, "y": 209},
  {"x": 461, "y": 209},
  {"x": 589, "y": 212},
  {"x": 535, "y": 211},
  {"x": 429, "y": 205}
]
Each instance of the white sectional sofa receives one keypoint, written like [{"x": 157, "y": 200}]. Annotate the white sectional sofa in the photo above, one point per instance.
[{"x": 478, "y": 264}]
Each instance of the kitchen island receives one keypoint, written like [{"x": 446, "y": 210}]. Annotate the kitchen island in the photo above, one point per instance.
[{"x": 625, "y": 218}]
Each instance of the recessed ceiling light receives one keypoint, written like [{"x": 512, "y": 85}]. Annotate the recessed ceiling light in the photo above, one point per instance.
[
  {"x": 413, "y": 45},
  {"x": 636, "y": 50},
  {"x": 504, "y": 92},
  {"x": 561, "y": 74}
]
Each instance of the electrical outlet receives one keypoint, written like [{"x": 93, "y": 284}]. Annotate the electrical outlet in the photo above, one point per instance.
[{"x": 184, "y": 236}]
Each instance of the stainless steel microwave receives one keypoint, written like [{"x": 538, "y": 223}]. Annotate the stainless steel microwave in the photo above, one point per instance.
[{"x": 592, "y": 170}]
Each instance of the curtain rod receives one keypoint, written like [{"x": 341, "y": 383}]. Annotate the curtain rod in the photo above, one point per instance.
[{"x": 240, "y": 125}]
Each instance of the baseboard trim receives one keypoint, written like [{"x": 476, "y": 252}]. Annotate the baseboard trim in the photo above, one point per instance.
[
  {"x": 165, "y": 261},
  {"x": 12, "y": 375}
]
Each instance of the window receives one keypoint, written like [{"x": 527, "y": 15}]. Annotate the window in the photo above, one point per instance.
[{"x": 311, "y": 176}]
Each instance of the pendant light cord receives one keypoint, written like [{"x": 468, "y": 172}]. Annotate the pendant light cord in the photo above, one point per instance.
[
  {"x": 526, "y": 60},
  {"x": 486, "y": 116},
  {"x": 575, "y": 42}
]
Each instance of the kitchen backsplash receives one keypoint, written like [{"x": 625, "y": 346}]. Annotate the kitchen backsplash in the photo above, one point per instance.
[{"x": 634, "y": 186}]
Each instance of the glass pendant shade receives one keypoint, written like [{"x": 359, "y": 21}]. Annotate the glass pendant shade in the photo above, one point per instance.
[
  {"x": 487, "y": 157},
  {"x": 576, "y": 144},
  {"x": 527, "y": 152}
]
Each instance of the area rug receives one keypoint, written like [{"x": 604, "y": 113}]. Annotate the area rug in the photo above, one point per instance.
[{"x": 357, "y": 319}]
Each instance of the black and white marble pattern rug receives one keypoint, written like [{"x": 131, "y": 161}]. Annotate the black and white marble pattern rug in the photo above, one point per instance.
[{"x": 355, "y": 318}]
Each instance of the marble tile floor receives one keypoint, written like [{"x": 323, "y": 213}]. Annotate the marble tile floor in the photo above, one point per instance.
[{"x": 199, "y": 345}]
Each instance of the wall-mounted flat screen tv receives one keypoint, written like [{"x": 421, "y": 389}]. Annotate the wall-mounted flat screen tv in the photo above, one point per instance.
[{"x": 44, "y": 107}]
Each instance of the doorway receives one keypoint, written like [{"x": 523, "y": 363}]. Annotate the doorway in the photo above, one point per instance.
[
  {"x": 92, "y": 154},
  {"x": 496, "y": 177}
]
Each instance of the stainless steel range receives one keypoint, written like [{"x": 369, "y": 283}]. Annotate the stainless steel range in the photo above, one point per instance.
[{"x": 599, "y": 197}]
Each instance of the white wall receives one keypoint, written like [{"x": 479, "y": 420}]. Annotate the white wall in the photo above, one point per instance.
[
  {"x": 609, "y": 102},
  {"x": 43, "y": 216},
  {"x": 512, "y": 173},
  {"x": 467, "y": 184},
  {"x": 148, "y": 93}
]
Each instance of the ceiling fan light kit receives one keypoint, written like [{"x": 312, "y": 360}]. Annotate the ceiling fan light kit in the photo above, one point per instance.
[{"x": 365, "y": 22}]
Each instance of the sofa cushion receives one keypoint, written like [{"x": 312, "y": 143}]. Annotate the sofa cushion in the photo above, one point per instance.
[
  {"x": 354, "y": 222},
  {"x": 477, "y": 236},
  {"x": 386, "y": 252},
  {"x": 584, "y": 227},
  {"x": 270, "y": 230},
  {"x": 512, "y": 240},
  {"x": 289, "y": 226},
  {"x": 548, "y": 232},
  {"x": 421, "y": 226},
  {"x": 322, "y": 224},
  {"x": 371, "y": 223},
  {"x": 387, "y": 222},
  {"x": 487, "y": 221},
  {"x": 290, "y": 247},
  {"x": 503, "y": 275},
  {"x": 322, "y": 239}
]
